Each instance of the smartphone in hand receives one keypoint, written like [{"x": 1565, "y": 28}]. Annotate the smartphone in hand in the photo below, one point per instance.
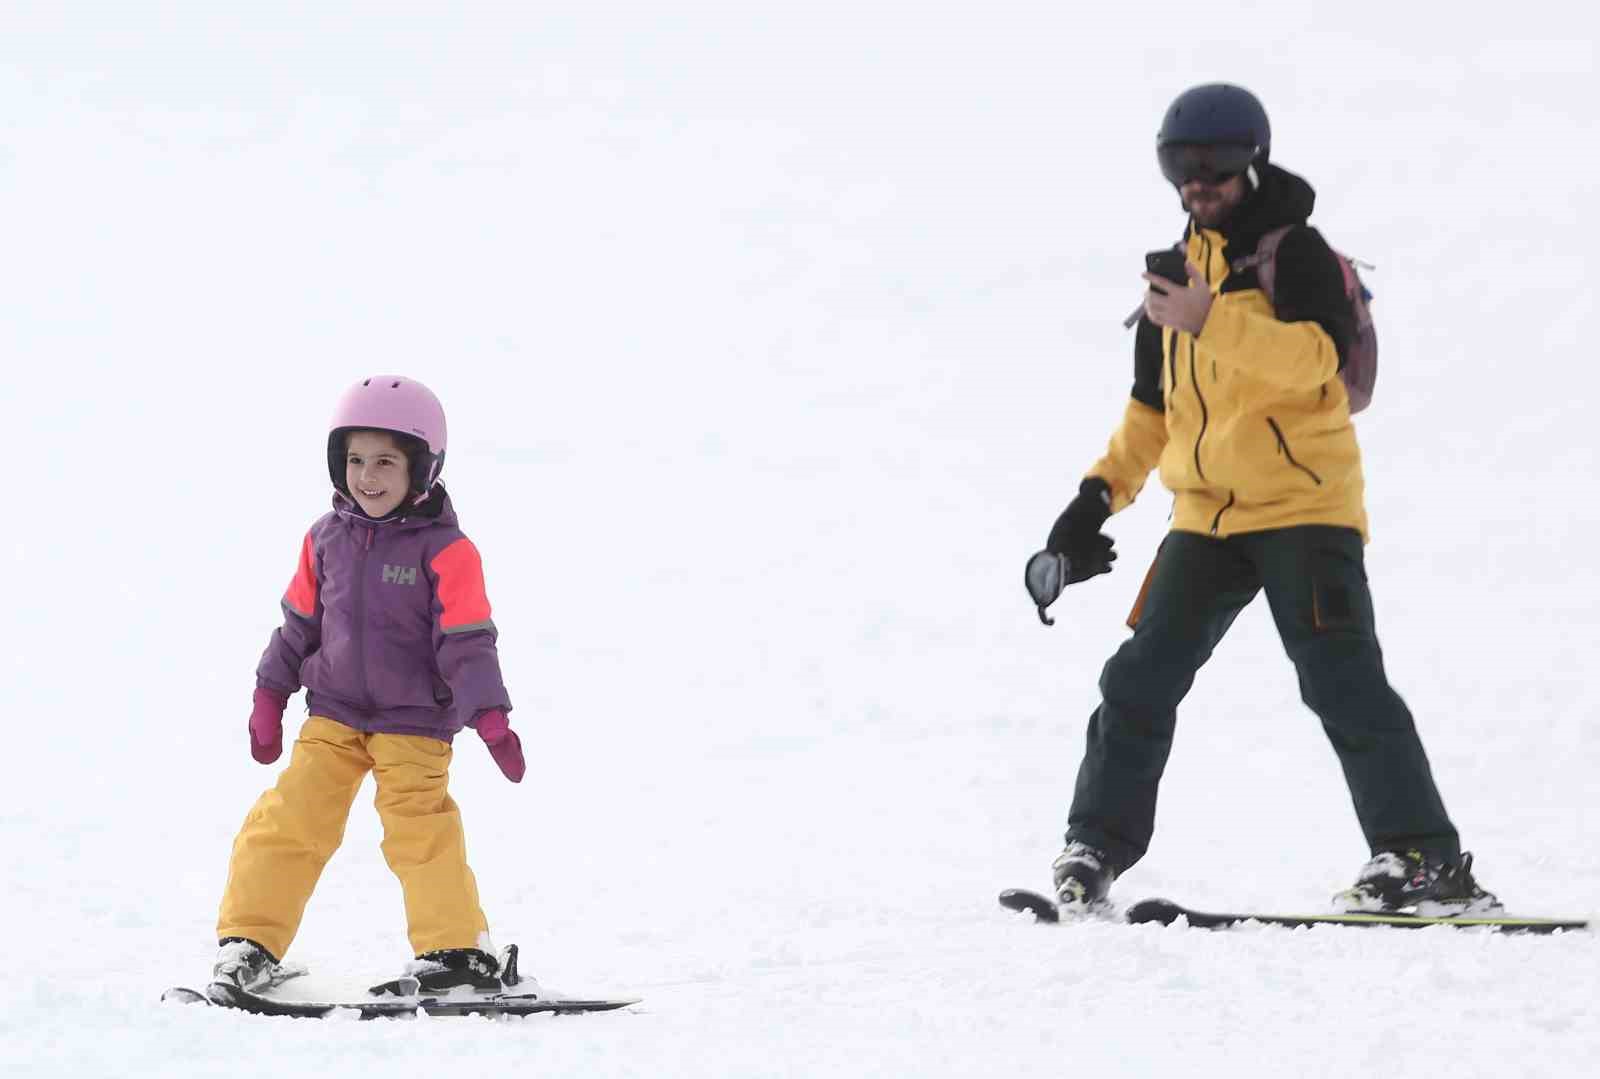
[{"x": 1169, "y": 263}]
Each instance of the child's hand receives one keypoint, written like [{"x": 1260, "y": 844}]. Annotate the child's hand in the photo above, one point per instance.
[
  {"x": 504, "y": 745},
  {"x": 266, "y": 726}
]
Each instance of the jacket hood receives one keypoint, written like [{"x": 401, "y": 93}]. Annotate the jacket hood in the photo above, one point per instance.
[{"x": 1280, "y": 198}]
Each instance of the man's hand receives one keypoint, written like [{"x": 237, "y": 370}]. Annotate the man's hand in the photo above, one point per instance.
[
  {"x": 1076, "y": 533},
  {"x": 1180, "y": 308}
]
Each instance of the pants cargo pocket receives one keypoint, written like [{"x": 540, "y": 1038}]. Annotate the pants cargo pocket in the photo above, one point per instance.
[{"x": 1339, "y": 597}]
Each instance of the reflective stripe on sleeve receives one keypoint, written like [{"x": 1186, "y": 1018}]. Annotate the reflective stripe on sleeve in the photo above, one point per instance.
[{"x": 471, "y": 628}]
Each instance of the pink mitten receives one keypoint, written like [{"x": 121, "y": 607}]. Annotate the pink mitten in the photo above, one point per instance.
[
  {"x": 266, "y": 725},
  {"x": 504, "y": 745}
]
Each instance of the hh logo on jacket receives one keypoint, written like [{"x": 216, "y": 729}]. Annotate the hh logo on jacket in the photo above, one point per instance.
[{"x": 399, "y": 574}]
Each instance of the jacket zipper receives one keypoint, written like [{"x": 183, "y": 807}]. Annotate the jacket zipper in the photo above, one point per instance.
[
  {"x": 361, "y": 619},
  {"x": 1194, "y": 375},
  {"x": 1205, "y": 414},
  {"x": 1216, "y": 521},
  {"x": 1283, "y": 448}
]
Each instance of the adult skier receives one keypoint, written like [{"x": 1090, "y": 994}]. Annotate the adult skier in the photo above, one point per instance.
[{"x": 1239, "y": 400}]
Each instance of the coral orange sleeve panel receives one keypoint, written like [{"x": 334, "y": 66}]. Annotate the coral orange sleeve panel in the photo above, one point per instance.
[
  {"x": 463, "y": 602},
  {"x": 302, "y": 594}
]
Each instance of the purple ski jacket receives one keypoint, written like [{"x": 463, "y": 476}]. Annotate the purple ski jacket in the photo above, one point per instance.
[{"x": 386, "y": 624}]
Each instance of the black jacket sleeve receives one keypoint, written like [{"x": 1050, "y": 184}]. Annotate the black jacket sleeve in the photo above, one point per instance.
[{"x": 1309, "y": 287}]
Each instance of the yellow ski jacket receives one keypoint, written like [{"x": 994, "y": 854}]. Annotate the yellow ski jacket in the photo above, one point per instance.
[{"x": 1248, "y": 420}]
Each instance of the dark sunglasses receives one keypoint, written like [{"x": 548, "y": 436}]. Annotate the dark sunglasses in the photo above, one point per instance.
[{"x": 1212, "y": 163}]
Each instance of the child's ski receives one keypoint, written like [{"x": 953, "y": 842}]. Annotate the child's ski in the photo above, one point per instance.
[
  {"x": 224, "y": 995},
  {"x": 180, "y": 994},
  {"x": 401, "y": 997}
]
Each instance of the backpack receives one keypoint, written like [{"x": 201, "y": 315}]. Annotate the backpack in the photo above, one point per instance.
[{"x": 1360, "y": 371}]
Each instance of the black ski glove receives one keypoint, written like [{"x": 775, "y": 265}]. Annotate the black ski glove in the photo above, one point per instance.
[
  {"x": 1077, "y": 534},
  {"x": 1076, "y": 549}
]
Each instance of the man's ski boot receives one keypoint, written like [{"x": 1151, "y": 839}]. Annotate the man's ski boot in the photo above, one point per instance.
[
  {"x": 1409, "y": 882},
  {"x": 244, "y": 964},
  {"x": 1083, "y": 876}
]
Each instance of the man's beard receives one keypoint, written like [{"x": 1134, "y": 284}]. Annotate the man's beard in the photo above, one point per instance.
[{"x": 1210, "y": 210}]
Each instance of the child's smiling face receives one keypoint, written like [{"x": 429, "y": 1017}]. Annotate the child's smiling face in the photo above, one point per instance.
[{"x": 376, "y": 471}]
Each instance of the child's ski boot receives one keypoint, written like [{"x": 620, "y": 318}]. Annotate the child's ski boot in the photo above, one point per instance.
[
  {"x": 451, "y": 970},
  {"x": 244, "y": 964}
]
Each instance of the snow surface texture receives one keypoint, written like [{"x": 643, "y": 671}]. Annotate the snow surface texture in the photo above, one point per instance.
[{"x": 772, "y": 343}]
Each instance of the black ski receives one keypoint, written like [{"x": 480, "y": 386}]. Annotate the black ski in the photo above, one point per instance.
[
  {"x": 1042, "y": 907},
  {"x": 1166, "y": 912},
  {"x": 182, "y": 994},
  {"x": 224, "y": 995},
  {"x": 402, "y": 996}
]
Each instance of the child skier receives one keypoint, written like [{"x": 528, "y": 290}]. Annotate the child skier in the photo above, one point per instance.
[{"x": 386, "y": 625}]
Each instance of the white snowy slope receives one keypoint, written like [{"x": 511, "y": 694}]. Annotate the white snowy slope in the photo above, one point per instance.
[{"x": 773, "y": 338}]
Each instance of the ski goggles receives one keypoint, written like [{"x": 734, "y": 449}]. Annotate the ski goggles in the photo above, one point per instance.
[{"x": 1211, "y": 163}]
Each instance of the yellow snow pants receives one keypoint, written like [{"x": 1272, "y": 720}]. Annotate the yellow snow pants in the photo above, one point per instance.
[{"x": 294, "y": 828}]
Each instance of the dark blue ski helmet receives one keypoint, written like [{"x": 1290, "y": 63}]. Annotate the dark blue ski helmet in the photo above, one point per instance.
[{"x": 1212, "y": 132}]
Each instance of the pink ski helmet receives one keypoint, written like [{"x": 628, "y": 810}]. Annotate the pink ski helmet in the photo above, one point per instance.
[{"x": 400, "y": 405}]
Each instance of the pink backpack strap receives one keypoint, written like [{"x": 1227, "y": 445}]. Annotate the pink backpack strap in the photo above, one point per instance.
[{"x": 1264, "y": 259}]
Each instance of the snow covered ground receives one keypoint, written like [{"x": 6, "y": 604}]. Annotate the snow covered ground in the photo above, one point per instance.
[{"x": 773, "y": 338}]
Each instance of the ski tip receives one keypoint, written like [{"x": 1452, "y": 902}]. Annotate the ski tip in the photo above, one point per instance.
[
  {"x": 575, "y": 1006},
  {"x": 1021, "y": 900},
  {"x": 179, "y": 994},
  {"x": 1158, "y": 911}
]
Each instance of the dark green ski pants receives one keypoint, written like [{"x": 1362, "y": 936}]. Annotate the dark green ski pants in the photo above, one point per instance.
[{"x": 1316, "y": 584}]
